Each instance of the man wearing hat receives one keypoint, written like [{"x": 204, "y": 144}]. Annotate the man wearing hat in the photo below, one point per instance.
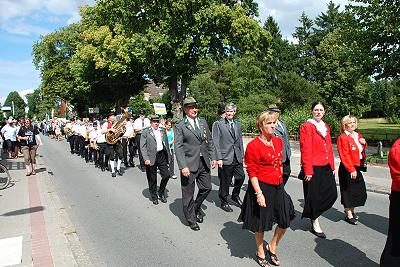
[
  {"x": 156, "y": 154},
  {"x": 114, "y": 151},
  {"x": 138, "y": 125},
  {"x": 228, "y": 142},
  {"x": 93, "y": 149},
  {"x": 282, "y": 132},
  {"x": 194, "y": 149}
]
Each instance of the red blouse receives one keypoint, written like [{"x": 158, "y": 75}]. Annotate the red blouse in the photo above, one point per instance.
[
  {"x": 394, "y": 165},
  {"x": 264, "y": 162},
  {"x": 315, "y": 149},
  {"x": 348, "y": 151}
]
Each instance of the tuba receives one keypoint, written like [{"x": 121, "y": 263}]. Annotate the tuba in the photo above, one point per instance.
[
  {"x": 68, "y": 132},
  {"x": 119, "y": 126}
]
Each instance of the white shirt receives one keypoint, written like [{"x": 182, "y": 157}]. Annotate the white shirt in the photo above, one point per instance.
[
  {"x": 157, "y": 135},
  {"x": 75, "y": 128},
  {"x": 9, "y": 132},
  {"x": 193, "y": 121},
  {"x": 138, "y": 124},
  {"x": 129, "y": 129},
  {"x": 354, "y": 135}
]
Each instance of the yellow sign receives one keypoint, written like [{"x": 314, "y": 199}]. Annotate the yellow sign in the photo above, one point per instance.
[{"x": 159, "y": 109}]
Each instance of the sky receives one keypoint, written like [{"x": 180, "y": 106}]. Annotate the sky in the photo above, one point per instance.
[{"x": 22, "y": 22}]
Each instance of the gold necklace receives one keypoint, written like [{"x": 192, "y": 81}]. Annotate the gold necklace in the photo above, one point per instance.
[{"x": 265, "y": 141}]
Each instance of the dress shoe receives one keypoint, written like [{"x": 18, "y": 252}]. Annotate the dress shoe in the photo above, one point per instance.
[
  {"x": 113, "y": 174},
  {"x": 226, "y": 207},
  {"x": 163, "y": 198},
  {"x": 103, "y": 169},
  {"x": 199, "y": 218},
  {"x": 155, "y": 201},
  {"x": 352, "y": 221},
  {"x": 194, "y": 226},
  {"x": 132, "y": 164},
  {"x": 174, "y": 176},
  {"x": 318, "y": 234},
  {"x": 238, "y": 202},
  {"x": 119, "y": 172},
  {"x": 126, "y": 165}
]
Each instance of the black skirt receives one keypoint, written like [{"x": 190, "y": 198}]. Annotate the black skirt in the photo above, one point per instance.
[
  {"x": 353, "y": 192},
  {"x": 391, "y": 253},
  {"x": 320, "y": 192},
  {"x": 279, "y": 209}
]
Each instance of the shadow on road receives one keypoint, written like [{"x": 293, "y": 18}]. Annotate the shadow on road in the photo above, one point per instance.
[
  {"x": 41, "y": 170},
  {"x": 14, "y": 165},
  {"x": 375, "y": 222},
  {"x": 23, "y": 211},
  {"x": 176, "y": 209},
  {"x": 339, "y": 253},
  {"x": 240, "y": 242}
]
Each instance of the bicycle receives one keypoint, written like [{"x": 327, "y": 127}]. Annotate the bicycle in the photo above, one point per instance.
[{"x": 5, "y": 177}]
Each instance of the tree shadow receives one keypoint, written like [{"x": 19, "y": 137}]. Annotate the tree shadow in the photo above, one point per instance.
[
  {"x": 23, "y": 211},
  {"x": 41, "y": 170},
  {"x": 241, "y": 243},
  {"x": 339, "y": 253}
]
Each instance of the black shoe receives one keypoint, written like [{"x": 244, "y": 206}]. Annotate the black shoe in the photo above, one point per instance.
[
  {"x": 131, "y": 163},
  {"x": 119, "y": 172},
  {"x": 126, "y": 165},
  {"x": 238, "y": 202},
  {"x": 163, "y": 198},
  {"x": 350, "y": 220},
  {"x": 355, "y": 216},
  {"x": 194, "y": 226},
  {"x": 113, "y": 174},
  {"x": 199, "y": 218},
  {"x": 103, "y": 169},
  {"x": 107, "y": 169},
  {"x": 226, "y": 207},
  {"x": 155, "y": 201},
  {"x": 318, "y": 234}
]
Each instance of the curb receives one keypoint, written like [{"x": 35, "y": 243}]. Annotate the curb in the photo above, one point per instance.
[{"x": 78, "y": 255}]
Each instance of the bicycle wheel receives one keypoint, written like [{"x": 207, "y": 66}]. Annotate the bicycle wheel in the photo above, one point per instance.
[{"x": 5, "y": 177}]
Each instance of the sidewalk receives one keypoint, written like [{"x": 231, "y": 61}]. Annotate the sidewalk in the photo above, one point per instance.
[
  {"x": 34, "y": 227},
  {"x": 377, "y": 178}
]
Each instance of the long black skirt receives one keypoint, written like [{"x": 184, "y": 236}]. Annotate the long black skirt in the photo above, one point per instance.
[
  {"x": 320, "y": 193},
  {"x": 391, "y": 254},
  {"x": 353, "y": 192},
  {"x": 279, "y": 209}
]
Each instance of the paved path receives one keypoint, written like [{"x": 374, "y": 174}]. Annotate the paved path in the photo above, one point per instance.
[{"x": 118, "y": 225}]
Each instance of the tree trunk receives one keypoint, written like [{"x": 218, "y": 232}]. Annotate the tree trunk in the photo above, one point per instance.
[{"x": 184, "y": 86}]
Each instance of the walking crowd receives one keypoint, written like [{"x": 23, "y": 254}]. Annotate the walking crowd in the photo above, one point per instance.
[{"x": 197, "y": 149}]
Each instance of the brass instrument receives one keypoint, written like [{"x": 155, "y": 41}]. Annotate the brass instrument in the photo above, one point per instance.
[
  {"x": 87, "y": 133},
  {"x": 119, "y": 126},
  {"x": 68, "y": 132}
]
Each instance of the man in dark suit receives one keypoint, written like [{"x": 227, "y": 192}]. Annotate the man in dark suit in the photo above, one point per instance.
[
  {"x": 281, "y": 131},
  {"x": 228, "y": 142},
  {"x": 194, "y": 149},
  {"x": 155, "y": 151}
]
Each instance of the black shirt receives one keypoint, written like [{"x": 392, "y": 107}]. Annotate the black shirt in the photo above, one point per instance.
[{"x": 31, "y": 133}]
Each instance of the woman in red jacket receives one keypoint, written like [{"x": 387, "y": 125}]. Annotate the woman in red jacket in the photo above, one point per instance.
[
  {"x": 351, "y": 146},
  {"x": 266, "y": 202},
  {"x": 318, "y": 168},
  {"x": 391, "y": 253}
]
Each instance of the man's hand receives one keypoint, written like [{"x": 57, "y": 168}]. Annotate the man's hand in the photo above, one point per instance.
[
  {"x": 354, "y": 175},
  {"x": 185, "y": 172},
  {"x": 220, "y": 163},
  {"x": 147, "y": 162},
  {"x": 213, "y": 164},
  {"x": 308, "y": 178}
]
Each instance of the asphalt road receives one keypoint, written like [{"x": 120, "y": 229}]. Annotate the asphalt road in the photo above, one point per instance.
[{"x": 119, "y": 226}]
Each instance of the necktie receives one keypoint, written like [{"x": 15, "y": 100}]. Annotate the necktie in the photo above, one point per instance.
[
  {"x": 232, "y": 129},
  {"x": 197, "y": 129},
  {"x": 142, "y": 123}
]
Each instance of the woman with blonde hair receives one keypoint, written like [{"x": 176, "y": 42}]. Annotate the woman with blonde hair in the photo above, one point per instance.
[
  {"x": 351, "y": 147},
  {"x": 266, "y": 203}
]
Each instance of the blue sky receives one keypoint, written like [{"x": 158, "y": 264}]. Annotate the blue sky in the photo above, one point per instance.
[{"x": 22, "y": 22}]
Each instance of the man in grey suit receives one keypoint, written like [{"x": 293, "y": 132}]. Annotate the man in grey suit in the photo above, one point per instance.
[
  {"x": 228, "y": 142},
  {"x": 155, "y": 150},
  {"x": 282, "y": 132},
  {"x": 194, "y": 149}
]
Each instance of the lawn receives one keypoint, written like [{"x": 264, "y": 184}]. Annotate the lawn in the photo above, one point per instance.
[{"x": 378, "y": 130}]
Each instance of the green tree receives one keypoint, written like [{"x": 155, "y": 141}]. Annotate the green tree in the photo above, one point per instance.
[
  {"x": 33, "y": 101},
  {"x": 14, "y": 99}
]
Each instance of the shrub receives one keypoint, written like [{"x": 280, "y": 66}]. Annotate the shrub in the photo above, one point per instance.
[{"x": 393, "y": 120}]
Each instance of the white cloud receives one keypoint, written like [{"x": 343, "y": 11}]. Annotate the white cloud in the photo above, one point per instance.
[
  {"x": 287, "y": 12},
  {"x": 21, "y": 27}
]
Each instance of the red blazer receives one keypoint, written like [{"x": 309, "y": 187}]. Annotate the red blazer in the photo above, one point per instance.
[
  {"x": 348, "y": 151},
  {"x": 263, "y": 161},
  {"x": 394, "y": 165},
  {"x": 315, "y": 149}
]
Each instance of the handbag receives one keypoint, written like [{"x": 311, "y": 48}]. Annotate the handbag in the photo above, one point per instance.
[{"x": 363, "y": 165}]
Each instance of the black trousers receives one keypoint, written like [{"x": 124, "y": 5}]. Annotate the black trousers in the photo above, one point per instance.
[
  {"x": 172, "y": 163},
  {"x": 71, "y": 141},
  {"x": 93, "y": 154},
  {"x": 151, "y": 173},
  {"x": 203, "y": 179},
  {"x": 137, "y": 141},
  {"x": 103, "y": 154},
  {"x": 286, "y": 170},
  {"x": 225, "y": 175},
  {"x": 115, "y": 151},
  {"x": 127, "y": 146}
]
